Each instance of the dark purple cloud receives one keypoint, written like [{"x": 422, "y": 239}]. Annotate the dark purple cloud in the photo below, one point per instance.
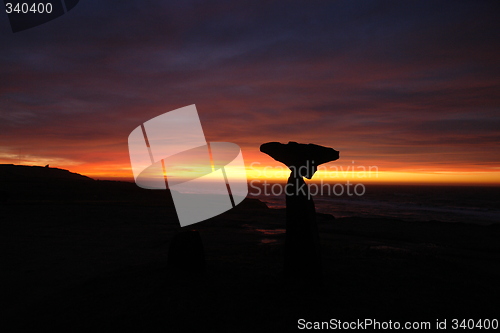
[{"x": 375, "y": 79}]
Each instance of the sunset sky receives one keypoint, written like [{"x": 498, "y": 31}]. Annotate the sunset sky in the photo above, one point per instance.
[{"x": 412, "y": 87}]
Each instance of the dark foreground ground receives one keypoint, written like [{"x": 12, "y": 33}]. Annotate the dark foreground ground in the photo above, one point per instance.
[{"x": 83, "y": 255}]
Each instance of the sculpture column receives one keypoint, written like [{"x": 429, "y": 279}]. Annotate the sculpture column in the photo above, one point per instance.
[{"x": 302, "y": 248}]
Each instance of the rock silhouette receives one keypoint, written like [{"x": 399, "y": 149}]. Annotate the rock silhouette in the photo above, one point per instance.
[
  {"x": 302, "y": 249},
  {"x": 300, "y": 158}
]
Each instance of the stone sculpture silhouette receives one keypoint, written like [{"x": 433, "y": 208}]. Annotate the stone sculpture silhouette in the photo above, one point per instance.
[{"x": 302, "y": 250}]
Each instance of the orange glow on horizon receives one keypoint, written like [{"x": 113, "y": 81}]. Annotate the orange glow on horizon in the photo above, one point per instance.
[{"x": 330, "y": 172}]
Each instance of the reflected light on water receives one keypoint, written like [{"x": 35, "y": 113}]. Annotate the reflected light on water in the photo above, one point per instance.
[{"x": 271, "y": 231}]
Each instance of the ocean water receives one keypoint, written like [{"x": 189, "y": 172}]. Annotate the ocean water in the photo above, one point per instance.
[{"x": 470, "y": 204}]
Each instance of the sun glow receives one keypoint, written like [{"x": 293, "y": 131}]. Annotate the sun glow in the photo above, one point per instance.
[
  {"x": 377, "y": 173},
  {"x": 355, "y": 175}
]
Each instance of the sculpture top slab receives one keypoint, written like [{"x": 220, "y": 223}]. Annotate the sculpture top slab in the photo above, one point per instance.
[{"x": 302, "y": 159}]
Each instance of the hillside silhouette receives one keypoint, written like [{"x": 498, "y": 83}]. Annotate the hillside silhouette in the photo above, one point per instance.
[{"x": 20, "y": 183}]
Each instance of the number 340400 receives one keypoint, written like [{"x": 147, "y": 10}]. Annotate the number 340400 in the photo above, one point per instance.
[{"x": 25, "y": 8}]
